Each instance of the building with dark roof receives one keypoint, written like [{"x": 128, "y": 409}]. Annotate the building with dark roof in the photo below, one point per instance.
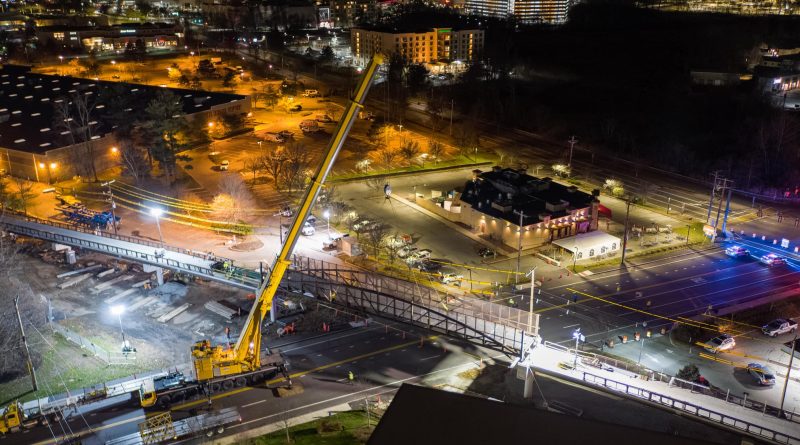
[
  {"x": 421, "y": 416},
  {"x": 497, "y": 203},
  {"x": 31, "y": 140}
]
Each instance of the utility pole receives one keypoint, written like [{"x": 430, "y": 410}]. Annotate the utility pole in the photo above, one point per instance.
[
  {"x": 519, "y": 244},
  {"x": 727, "y": 210},
  {"x": 530, "y": 303},
  {"x": 625, "y": 230},
  {"x": 719, "y": 207},
  {"x": 572, "y": 141},
  {"x": 110, "y": 194},
  {"x": 25, "y": 343},
  {"x": 711, "y": 201},
  {"x": 788, "y": 372}
]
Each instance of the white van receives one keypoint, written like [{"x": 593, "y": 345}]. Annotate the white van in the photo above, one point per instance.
[{"x": 310, "y": 93}]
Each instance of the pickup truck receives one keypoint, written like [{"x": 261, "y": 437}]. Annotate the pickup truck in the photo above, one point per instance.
[{"x": 779, "y": 326}]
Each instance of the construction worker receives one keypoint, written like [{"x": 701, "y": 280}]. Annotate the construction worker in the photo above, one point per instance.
[{"x": 351, "y": 377}]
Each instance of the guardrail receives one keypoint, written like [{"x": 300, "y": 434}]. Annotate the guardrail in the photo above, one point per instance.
[
  {"x": 690, "y": 408},
  {"x": 744, "y": 401},
  {"x": 715, "y": 392}
]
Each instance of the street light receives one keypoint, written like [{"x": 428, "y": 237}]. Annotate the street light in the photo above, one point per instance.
[
  {"x": 532, "y": 273},
  {"x": 641, "y": 349},
  {"x": 156, "y": 212},
  {"x": 576, "y": 334},
  {"x": 574, "y": 259},
  {"x": 118, "y": 310},
  {"x": 327, "y": 215}
]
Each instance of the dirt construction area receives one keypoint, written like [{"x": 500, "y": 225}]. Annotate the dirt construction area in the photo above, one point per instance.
[{"x": 88, "y": 306}]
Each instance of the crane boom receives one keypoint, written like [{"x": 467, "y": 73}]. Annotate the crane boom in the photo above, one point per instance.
[{"x": 212, "y": 362}]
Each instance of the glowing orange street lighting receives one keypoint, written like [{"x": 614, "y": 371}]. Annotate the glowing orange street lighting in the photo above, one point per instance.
[
  {"x": 114, "y": 150},
  {"x": 210, "y": 125},
  {"x": 41, "y": 165}
]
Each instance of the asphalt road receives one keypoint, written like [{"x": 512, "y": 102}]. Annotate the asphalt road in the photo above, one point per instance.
[
  {"x": 660, "y": 290},
  {"x": 381, "y": 361}
]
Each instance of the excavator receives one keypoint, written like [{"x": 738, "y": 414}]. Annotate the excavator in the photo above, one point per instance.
[{"x": 241, "y": 363}]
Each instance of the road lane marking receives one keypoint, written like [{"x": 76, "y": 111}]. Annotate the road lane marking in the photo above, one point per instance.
[{"x": 254, "y": 403}]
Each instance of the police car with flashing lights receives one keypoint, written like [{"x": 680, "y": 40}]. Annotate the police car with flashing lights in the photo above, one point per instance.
[
  {"x": 737, "y": 251},
  {"x": 771, "y": 259}
]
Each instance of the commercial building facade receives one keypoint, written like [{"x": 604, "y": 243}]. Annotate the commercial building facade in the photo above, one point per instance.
[
  {"x": 111, "y": 38},
  {"x": 525, "y": 11},
  {"x": 428, "y": 46}
]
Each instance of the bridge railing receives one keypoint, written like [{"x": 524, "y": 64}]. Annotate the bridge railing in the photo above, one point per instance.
[
  {"x": 471, "y": 307},
  {"x": 10, "y": 216},
  {"x": 690, "y": 408},
  {"x": 424, "y": 313}
]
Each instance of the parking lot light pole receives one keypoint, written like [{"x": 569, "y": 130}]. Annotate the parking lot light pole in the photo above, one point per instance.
[
  {"x": 788, "y": 373},
  {"x": 156, "y": 212},
  {"x": 117, "y": 310},
  {"x": 327, "y": 215}
]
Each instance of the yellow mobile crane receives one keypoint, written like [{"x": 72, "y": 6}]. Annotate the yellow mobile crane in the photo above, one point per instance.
[{"x": 213, "y": 362}]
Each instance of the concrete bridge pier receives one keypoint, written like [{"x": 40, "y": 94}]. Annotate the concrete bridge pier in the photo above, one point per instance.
[{"x": 159, "y": 272}]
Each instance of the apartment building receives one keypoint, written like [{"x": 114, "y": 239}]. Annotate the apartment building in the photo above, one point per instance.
[{"x": 425, "y": 46}]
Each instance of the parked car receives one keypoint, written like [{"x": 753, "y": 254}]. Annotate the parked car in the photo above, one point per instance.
[
  {"x": 324, "y": 118},
  {"x": 779, "y": 326},
  {"x": 295, "y": 108},
  {"x": 405, "y": 251},
  {"x": 720, "y": 343},
  {"x": 286, "y": 134},
  {"x": 223, "y": 166},
  {"x": 427, "y": 266},
  {"x": 762, "y": 374},
  {"x": 422, "y": 254},
  {"x": 274, "y": 137},
  {"x": 452, "y": 278},
  {"x": 772, "y": 259},
  {"x": 310, "y": 93},
  {"x": 485, "y": 252},
  {"x": 308, "y": 229},
  {"x": 737, "y": 251}
]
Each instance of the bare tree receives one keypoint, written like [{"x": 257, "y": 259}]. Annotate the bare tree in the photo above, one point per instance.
[
  {"x": 375, "y": 238},
  {"x": 254, "y": 165},
  {"x": 73, "y": 116},
  {"x": 436, "y": 150},
  {"x": 134, "y": 160},
  {"x": 296, "y": 166},
  {"x": 24, "y": 192},
  {"x": 409, "y": 151},
  {"x": 385, "y": 157},
  {"x": 234, "y": 202},
  {"x": 12, "y": 275},
  {"x": 273, "y": 165}
]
